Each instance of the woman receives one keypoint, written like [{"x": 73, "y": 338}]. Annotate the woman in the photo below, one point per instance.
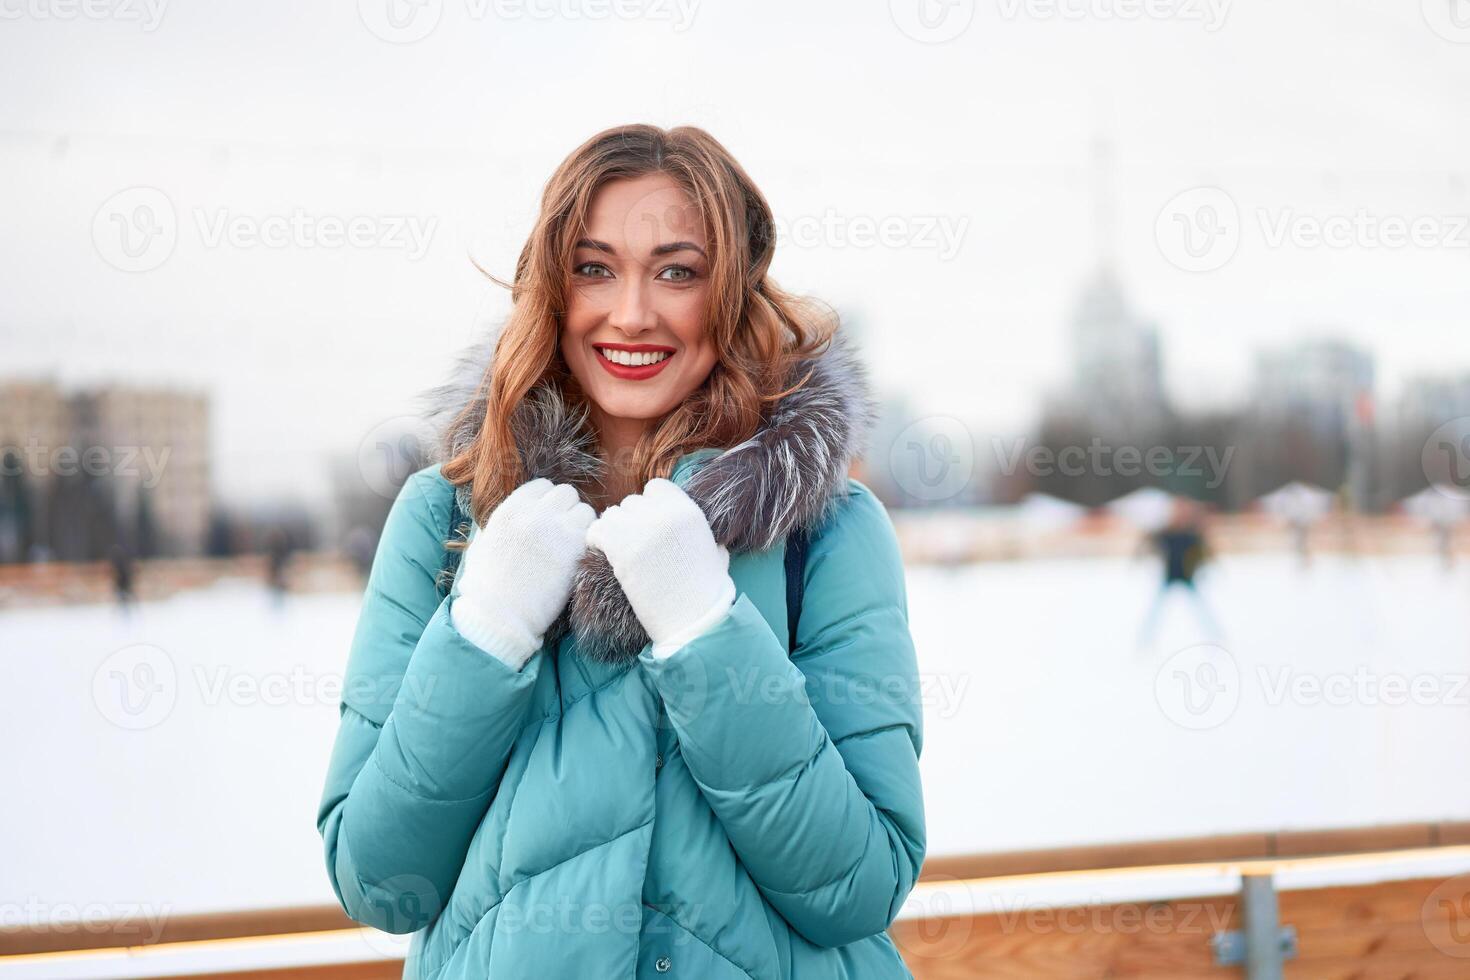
[{"x": 597, "y": 753}]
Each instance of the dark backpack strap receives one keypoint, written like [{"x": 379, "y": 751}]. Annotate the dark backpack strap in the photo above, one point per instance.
[
  {"x": 796, "y": 547},
  {"x": 447, "y": 569}
]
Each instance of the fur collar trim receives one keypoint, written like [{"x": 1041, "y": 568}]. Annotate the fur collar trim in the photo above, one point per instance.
[{"x": 784, "y": 477}]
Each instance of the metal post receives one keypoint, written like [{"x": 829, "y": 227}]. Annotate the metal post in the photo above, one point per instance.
[
  {"x": 1261, "y": 945},
  {"x": 1260, "y": 920}
]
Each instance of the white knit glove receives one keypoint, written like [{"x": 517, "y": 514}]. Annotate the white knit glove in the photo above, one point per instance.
[
  {"x": 516, "y": 574},
  {"x": 665, "y": 557}
]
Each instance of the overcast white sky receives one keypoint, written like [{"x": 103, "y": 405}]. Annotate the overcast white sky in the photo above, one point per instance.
[{"x": 1302, "y": 111}]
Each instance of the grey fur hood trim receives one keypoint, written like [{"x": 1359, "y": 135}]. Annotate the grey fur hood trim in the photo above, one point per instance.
[{"x": 784, "y": 477}]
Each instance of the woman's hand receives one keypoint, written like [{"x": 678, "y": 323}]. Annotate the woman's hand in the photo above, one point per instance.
[
  {"x": 516, "y": 575},
  {"x": 665, "y": 557}
]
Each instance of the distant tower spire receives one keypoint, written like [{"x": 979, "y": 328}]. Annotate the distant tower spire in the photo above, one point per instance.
[
  {"x": 1104, "y": 204},
  {"x": 1117, "y": 365}
]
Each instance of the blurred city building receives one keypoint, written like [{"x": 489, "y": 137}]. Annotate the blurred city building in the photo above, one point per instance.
[
  {"x": 101, "y": 467},
  {"x": 1117, "y": 368}
]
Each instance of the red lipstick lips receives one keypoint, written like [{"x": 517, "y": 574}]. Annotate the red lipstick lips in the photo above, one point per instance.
[{"x": 626, "y": 373}]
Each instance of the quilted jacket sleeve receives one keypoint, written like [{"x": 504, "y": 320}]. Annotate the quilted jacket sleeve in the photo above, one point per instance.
[
  {"x": 812, "y": 763},
  {"x": 427, "y": 722}
]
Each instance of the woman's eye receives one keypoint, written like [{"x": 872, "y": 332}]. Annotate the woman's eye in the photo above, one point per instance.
[
  {"x": 681, "y": 273},
  {"x": 592, "y": 270}
]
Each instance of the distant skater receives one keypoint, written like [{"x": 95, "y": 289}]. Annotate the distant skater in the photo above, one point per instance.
[
  {"x": 1301, "y": 531},
  {"x": 278, "y": 556},
  {"x": 122, "y": 576},
  {"x": 1181, "y": 544},
  {"x": 1444, "y": 542}
]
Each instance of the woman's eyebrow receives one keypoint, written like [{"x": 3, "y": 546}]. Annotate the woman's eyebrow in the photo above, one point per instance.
[
  {"x": 677, "y": 247},
  {"x": 665, "y": 249}
]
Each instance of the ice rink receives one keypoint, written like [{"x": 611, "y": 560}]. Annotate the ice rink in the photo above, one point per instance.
[{"x": 172, "y": 760}]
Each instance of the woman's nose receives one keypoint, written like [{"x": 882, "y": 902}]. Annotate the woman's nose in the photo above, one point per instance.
[{"x": 633, "y": 309}]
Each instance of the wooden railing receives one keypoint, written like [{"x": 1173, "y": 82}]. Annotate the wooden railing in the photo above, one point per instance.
[
  {"x": 1376, "y": 902},
  {"x": 1201, "y": 850},
  {"x": 1390, "y": 930}
]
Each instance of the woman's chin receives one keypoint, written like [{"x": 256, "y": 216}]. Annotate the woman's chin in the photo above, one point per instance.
[{"x": 618, "y": 402}]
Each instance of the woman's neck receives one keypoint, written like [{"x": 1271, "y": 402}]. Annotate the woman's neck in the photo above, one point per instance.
[{"x": 617, "y": 438}]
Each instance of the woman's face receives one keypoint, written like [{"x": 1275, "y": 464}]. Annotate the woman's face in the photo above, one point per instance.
[{"x": 635, "y": 329}]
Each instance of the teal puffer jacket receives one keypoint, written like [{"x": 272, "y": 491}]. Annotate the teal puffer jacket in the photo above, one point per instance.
[{"x": 730, "y": 811}]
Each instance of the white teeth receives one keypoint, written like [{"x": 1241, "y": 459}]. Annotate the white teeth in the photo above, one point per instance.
[{"x": 630, "y": 359}]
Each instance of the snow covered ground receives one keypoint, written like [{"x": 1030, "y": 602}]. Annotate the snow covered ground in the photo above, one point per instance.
[
  {"x": 1338, "y": 695},
  {"x": 170, "y": 762}
]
